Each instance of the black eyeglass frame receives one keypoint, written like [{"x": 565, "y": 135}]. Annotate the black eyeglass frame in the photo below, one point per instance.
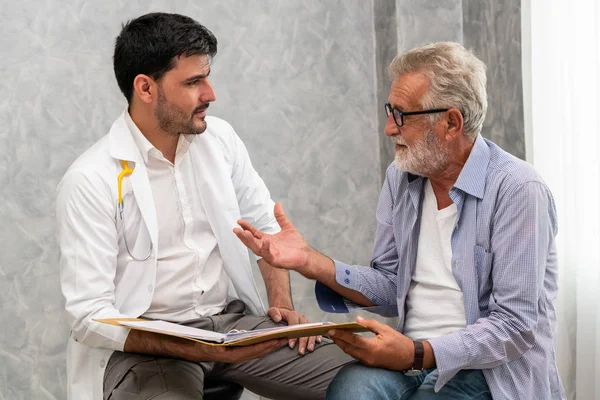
[{"x": 391, "y": 110}]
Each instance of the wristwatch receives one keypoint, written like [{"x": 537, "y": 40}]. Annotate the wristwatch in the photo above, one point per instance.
[{"x": 417, "y": 367}]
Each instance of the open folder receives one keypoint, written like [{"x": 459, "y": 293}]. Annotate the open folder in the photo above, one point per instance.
[{"x": 234, "y": 337}]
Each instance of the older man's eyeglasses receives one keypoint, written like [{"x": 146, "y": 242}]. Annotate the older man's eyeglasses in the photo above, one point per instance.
[{"x": 399, "y": 115}]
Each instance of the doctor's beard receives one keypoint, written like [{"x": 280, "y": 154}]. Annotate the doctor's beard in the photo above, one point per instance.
[{"x": 174, "y": 121}]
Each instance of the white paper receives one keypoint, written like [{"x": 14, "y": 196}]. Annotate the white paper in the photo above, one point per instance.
[
  {"x": 210, "y": 336},
  {"x": 177, "y": 330},
  {"x": 233, "y": 336}
]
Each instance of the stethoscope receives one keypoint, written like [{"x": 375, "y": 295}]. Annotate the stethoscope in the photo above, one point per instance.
[{"x": 126, "y": 172}]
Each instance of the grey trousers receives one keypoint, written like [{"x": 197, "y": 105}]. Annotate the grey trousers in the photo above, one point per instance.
[{"x": 282, "y": 374}]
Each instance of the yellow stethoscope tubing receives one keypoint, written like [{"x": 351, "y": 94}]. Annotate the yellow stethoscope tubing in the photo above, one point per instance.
[{"x": 126, "y": 172}]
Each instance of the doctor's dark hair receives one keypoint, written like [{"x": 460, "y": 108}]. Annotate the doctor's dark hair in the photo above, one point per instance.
[{"x": 149, "y": 44}]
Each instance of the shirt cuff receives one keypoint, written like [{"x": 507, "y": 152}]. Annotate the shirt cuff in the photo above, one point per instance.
[
  {"x": 450, "y": 356},
  {"x": 347, "y": 275}
]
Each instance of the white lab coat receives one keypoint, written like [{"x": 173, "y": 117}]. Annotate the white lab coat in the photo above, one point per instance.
[{"x": 98, "y": 278}]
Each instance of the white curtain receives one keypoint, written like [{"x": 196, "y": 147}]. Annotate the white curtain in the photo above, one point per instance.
[{"x": 561, "y": 69}]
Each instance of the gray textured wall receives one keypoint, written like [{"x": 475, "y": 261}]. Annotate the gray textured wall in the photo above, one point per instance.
[
  {"x": 493, "y": 30},
  {"x": 300, "y": 81},
  {"x": 386, "y": 48}
]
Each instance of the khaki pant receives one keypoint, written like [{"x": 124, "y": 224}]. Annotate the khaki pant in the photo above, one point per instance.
[{"x": 282, "y": 374}]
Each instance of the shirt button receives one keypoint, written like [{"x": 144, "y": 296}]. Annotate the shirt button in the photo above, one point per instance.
[
  {"x": 102, "y": 364},
  {"x": 150, "y": 288},
  {"x": 456, "y": 263},
  {"x": 347, "y": 280},
  {"x": 347, "y": 272}
]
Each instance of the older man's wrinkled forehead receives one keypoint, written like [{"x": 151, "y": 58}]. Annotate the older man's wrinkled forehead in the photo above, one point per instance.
[{"x": 407, "y": 91}]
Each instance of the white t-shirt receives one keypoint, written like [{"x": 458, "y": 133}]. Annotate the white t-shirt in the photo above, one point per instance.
[{"x": 434, "y": 304}]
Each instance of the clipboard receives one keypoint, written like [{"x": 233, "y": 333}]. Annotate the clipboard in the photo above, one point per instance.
[{"x": 232, "y": 338}]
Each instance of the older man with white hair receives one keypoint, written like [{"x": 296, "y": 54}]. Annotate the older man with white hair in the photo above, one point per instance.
[{"x": 465, "y": 249}]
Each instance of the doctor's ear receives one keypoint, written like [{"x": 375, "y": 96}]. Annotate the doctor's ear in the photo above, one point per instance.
[{"x": 144, "y": 88}]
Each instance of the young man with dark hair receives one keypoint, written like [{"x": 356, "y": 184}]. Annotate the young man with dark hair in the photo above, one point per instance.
[{"x": 145, "y": 220}]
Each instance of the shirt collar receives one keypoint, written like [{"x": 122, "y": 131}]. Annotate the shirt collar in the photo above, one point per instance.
[
  {"x": 183, "y": 144},
  {"x": 140, "y": 140},
  {"x": 471, "y": 179},
  {"x": 147, "y": 148}
]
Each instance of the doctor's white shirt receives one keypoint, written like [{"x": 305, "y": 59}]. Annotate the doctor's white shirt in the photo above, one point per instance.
[{"x": 190, "y": 279}]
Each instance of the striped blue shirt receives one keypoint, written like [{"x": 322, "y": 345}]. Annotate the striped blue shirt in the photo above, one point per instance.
[{"x": 503, "y": 258}]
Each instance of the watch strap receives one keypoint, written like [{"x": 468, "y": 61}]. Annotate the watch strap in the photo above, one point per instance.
[{"x": 419, "y": 355}]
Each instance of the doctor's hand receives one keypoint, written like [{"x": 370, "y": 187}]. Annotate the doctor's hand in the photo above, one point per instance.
[
  {"x": 233, "y": 355},
  {"x": 280, "y": 314},
  {"x": 389, "y": 349},
  {"x": 175, "y": 347},
  {"x": 286, "y": 249}
]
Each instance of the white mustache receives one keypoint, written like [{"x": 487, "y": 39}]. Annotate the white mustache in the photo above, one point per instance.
[{"x": 400, "y": 141}]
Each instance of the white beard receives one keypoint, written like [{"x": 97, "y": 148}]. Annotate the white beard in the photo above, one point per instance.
[{"x": 424, "y": 157}]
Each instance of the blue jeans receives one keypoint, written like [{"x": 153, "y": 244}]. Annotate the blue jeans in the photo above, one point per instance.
[{"x": 359, "y": 382}]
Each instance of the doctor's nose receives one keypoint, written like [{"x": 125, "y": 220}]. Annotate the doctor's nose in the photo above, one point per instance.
[{"x": 208, "y": 94}]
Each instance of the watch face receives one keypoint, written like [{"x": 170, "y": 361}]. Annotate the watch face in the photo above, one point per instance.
[{"x": 413, "y": 372}]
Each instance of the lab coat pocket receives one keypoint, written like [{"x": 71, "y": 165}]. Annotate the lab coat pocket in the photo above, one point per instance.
[
  {"x": 134, "y": 237},
  {"x": 483, "y": 266}
]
